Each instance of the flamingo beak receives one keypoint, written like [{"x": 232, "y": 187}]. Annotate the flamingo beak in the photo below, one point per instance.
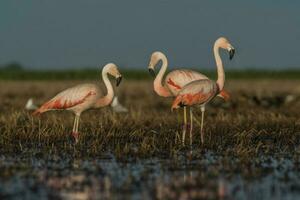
[
  {"x": 119, "y": 79},
  {"x": 152, "y": 72},
  {"x": 231, "y": 53}
]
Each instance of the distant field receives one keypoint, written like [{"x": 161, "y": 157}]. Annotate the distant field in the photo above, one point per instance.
[{"x": 84, "y": 74}]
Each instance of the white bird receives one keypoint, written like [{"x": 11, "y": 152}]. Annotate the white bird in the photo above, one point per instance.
[
  {"x": 30, "y": 105},
  {"x": 117, "y": 107}
]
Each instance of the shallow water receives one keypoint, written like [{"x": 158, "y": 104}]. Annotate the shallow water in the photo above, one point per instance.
[{"x": 209, "y": 176}]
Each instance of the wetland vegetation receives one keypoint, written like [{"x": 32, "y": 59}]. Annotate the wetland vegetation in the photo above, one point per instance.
[{"x": 251, "y": 150}]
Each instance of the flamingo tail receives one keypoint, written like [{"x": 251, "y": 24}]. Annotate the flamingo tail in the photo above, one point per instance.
[
  {"x": 52, "y": 104},
  {"x": 225, "y": 95},
  {"x": 39, "y": 111},
  {"x": 177, "y": 103}
]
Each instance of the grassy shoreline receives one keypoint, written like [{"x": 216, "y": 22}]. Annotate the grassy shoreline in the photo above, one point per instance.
[{"x": 136, "y": 74}]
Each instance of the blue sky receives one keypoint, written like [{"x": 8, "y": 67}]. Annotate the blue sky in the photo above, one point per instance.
[{"x": 78, "y": 33}]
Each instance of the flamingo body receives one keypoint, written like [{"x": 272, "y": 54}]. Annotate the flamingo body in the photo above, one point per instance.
[
  {"x": 197, "y": 92},
  {"x": 83, "y": 97},
  {"x": 76, "y": 99},
  {"x": 177, "y": 79}
]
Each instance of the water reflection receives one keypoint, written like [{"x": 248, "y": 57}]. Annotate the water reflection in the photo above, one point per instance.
[{"x": 209, "y": 177}]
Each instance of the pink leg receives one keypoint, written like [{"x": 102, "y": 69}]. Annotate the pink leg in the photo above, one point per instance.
[
  {"x": 75, "y": 133},
  {"x": 75, "y": 136},
  {"x": 191, "y": 127},
  {"x": 202, "y": 121},
  {"x": 184, "y": 125}
]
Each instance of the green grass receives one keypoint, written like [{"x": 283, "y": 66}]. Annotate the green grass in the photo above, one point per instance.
[{"x": 136, "y": 74}]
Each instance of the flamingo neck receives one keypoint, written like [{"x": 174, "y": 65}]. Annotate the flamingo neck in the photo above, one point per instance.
[
  {"x": 160, "y": 89},
  {"x": 220, "y": 69},
  {"x": 107, "y": 99}
]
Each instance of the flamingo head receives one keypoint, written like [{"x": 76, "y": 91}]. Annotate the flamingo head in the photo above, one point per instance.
[
  {"x": 112, "y": 69},
  {"x": 223, "y": 43},
  {"x": 155, "y": 58}
]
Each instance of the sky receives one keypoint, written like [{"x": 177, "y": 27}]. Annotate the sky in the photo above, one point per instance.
[{"x": 63, "y": 34}]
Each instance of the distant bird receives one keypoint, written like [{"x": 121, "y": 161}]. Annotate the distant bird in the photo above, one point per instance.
[
  {"x": 30, "y": 105},
  {"x": 175, "y": 81},
  {"x": 83, "y": 97},
  {"x": 117, "y": 107},
  {"x": 200, "y": 92}
]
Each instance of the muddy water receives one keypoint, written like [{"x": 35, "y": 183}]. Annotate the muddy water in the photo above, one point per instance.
[{"x": 209, "y": 176}]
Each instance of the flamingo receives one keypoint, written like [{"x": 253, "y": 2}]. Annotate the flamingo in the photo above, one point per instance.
[
  {"x": 175, "y": 81},
  {"x": 83, "y": 97},
  {"x": 200, "y": 92}
]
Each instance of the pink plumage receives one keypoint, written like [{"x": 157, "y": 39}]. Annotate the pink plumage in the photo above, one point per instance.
[
  {"x": 76, "y": 99},
  {"x": 190, "y": 87},
  {"x": 174, "y": 80},
  {"x": 177, "y": 79},
  {"x": 200, "y": 92},
  {"x": 197, "y": 92},
  {"x": 83, "y": 97}
]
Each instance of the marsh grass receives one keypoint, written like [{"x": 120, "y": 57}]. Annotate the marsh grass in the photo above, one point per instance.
[
  {"x": 88, "y": 73},
  {"x": 252, "y": 144},
  {"x": 237, "y": 128}
]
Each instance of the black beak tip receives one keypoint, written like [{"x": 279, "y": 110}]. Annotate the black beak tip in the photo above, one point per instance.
[
  {"x": 231, "y": 53},
  {"x": 119, "y": 79},
  {"x": 152, "y": 72}
]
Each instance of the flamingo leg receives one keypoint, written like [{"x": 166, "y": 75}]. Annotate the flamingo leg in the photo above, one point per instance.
[
  {"x": 202, "y": 121},
  {"x": 74, "y": 124},
  {"x": 191, "y": 128},
  {"x": 75, "y": 128},
  {"x": 77, "y": 125},
  {"x": 184, "y": 125}
]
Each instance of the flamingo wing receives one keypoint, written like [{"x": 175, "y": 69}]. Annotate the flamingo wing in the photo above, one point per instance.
[
  {"x": 177, "y": 79},
  {"x": 69, "y": 98},
  {"x": 196, "y": 92}
]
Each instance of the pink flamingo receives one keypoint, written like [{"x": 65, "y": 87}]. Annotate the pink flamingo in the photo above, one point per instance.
[
  {"x": 175, "y": 81},
  {"x": 200, "y": 92},
  {"x": 83, "y": 97}
]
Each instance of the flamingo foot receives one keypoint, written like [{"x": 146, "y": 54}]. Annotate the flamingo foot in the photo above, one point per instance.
[{"x": 75, "y": 136}]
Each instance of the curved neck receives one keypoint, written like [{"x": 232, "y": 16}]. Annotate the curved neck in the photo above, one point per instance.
[
  {"x": 158, "y": 87},
  {"x": 220, "y": 69},
  {"x": 107, "y": 99}
]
